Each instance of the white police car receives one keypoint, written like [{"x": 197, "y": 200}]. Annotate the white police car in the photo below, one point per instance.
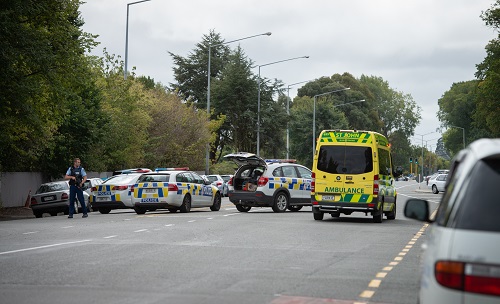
[
  {"x": 174, "y": 189},
  {"x": 279, "y": 184},
  {"x": 114, "y": 193}
]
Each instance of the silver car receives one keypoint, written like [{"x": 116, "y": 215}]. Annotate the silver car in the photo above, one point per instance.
[
  {"x": 219, "y": 182},
  {"x": 53, "y": 198}
]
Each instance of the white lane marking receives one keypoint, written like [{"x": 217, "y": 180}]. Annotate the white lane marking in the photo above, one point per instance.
[
  {"x": 141, "y": 230},
  {"x": 41, "y": 247},
  {"x": 210, "y": 218},
  {"x": 66, "y": 227},
  {"x": 231, "y": 214},
  {"x": 191, "y": 221},
  {"x": 31, "y": 232},
  {"x": 109, "y": 237},
  {"x": 169, "y": 225}
]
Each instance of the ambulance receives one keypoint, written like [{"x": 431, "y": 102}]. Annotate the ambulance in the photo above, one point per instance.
[{"x": 353, "y": 172}]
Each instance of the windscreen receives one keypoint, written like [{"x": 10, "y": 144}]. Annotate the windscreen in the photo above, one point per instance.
[
  {"x": 52, "y": 187},
  {"x": 345, "y": 159}
]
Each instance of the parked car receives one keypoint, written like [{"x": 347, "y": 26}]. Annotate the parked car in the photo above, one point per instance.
[
  {"x": 461, "y": 264},
  {"x": 219, "y": 182},
  {"x": 277, "y": 184},
  {"x": 53, "y": 198},
  {"x": 114, "y": 193},
  {"x": 174, "y": 190},
  {"x": 436, "y": 182}
]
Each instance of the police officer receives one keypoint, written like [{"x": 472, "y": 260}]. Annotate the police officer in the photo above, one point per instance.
[{"x": 77, "y": 176}]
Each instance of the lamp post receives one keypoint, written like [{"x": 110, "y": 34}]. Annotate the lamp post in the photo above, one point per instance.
[
  {"x": 207, "y": 161},
  {"x": 314, "y": 114},
  {"x": 126, "y": 37},
  {"x": 288, "y": 114},
  {"x": 258, "y": 99},
  {"x": 463, "y": 133}
]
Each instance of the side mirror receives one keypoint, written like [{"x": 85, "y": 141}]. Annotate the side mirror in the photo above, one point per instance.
[{"x": 417, "y": 209}]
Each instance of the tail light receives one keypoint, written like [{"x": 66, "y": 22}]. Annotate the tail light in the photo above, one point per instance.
[
  {"x": 33, "y": 201},
  {"x": 64, "y": 196},
  {"x": 475, "y": 278},
  {"x": 219, "y": 184},
  {"x": 119, "y": 188},
  {"x": 132, "y": 188},
  {"x": 262, "y": 181},
  {"x": 313, "y": 182},
  {"x": 230, "y": 183},
  {"x": 93, "y": 189},
  {"x": 172, "y": 187},
  {"x": 375, "y": 184}
]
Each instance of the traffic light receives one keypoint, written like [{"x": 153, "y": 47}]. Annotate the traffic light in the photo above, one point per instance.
[
  {"x": 416, "y": 160},
  {"x": 411, "y": 160}
]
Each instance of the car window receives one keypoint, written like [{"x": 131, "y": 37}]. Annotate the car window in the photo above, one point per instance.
[
  {"x": 384, "y": 162},
  {"x": 345, "y": 159},
  {"x": 154, "y": 178},
  {"x": 304, "y": 173},
  {"x": 197, "y": 178},
  {"x": 122, "y": 178},
  {"x": 479, "y": 207},
  {"x": 52, "y": 187},
  {"x": 289, "y": 171},
  {"x": 226, "y": 178},
  {"x": 278, "y": 172},
  {"x": 212, "y": 178},
  {"x": 441, "y": 178}
]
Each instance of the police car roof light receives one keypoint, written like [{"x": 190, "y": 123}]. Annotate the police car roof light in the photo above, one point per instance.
[
  {"x": 270, "y": 161},
  {"x": 172, "y": 169}
]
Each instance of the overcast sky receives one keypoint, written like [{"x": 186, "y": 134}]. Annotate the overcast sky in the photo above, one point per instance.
[{"x": 421, "y": 47}]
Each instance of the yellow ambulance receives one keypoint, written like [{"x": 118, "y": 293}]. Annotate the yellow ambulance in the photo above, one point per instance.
[{"x": 353, "y": 172}]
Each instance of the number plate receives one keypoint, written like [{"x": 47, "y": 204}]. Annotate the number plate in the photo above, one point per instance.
[
  {"x": 328, "y": 197},
  {"x": 49, "y": 198},
  {"x": 150, "y": 190},
  {"x": 102, "y": 199}
]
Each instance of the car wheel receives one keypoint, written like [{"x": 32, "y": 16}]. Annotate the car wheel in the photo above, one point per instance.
[
  {"x": 38, "y": 214},
  {"x": 53, "y": 213},
  {"x": 242, "y": 208},
  {"x": 217, "y": 203},
  {"x": 186, "y": 204},
  {"x": 377, "y": 218},
  {"x": 318, "y": 215},
  {"x": 335, "y": 214},
  {"x": 435, "y": 189},
  {"x": 140, "y": 210},
  {"x": 104, "y": 210},
  {"x": 294, "y": 208},
  {"x": 280, "y": 202},
  {"x": 392, "y": 215},
  {"x": 173, "y": 210}
]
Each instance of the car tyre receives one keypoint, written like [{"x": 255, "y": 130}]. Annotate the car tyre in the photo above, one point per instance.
[
  {"x": 173, "y": 210},
  {"x": 294, "y": 208},
  {"x": 335, "y": 214},
  {"x": 53, "y": 213},
  {"x": 392, "y": 215},
  {"x": 217, "y": 203},
  {"x": 377, "y": 218},
  {"x": 318, "y": 216},
  {"x": 104, "y": 210},
  {"x": 38, "y": 214},
  {"x": 140, "y": 210},
  {"x": 242, "y": 208},
  {"x": 435, "y": 189},
  {"x": 186, "y": 204},
  {"x": 280, "y": 202}
]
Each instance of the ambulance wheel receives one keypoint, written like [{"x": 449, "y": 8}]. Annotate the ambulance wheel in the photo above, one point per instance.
[
  {"x": 280, "y": 202},
  {"x": 294, "y": 208},
  {"x": 242, "y": 208},
  {"x": 318, "y": 216},
  {"x": 217, "y": 203},
  {"x": 335, "y": 214},
  {"x": 186, "y": 204},
  {"x": 392, "y": 215},
  {"x": 435, "y": 189},
  {"x": 377, "y": 218},
  {"x": 140, "y": 210},
  {"x": 104, "y": 210}
]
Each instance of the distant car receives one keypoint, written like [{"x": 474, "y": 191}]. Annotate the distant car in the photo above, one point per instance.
[
  {"x": 279, "y": 184},
  {"x": 227, "y": 177},
  {"x": 461, "y": 262},
  {"x": 219, "y": 182},
  {"x": 174, "y": 190},
  {"x": 114, "y": 193},
  {"x": 53, "y": 198},
  {"x": 437, "y": 182}
]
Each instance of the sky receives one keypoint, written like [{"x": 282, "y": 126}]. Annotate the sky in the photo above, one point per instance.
[{"x": 420, "y": 47}]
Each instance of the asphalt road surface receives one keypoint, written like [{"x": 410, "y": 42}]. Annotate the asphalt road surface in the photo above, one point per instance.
[{"x": 213, "y": 257}]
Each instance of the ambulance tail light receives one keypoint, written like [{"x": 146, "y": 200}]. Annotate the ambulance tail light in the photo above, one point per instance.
[
  {"x": 172, "y": 187},
  {"x": 375, "y": 184},
  {"x": 313, "y": 182},
  {"x": 262, "y": 181},
  {"x": 469, "y": 277}
]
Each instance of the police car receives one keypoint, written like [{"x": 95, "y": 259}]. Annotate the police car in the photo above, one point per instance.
[
  {"x": 114, "y": 193},
  {"x": 279, "y": 184},
  {"x": 174, "y": 189}
]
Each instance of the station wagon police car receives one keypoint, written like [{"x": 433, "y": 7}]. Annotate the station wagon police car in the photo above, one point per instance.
[
  {"x": 174, "y": 190},
  {"x": 279, "y": 184},
  {"x": 353, "y": 172}
]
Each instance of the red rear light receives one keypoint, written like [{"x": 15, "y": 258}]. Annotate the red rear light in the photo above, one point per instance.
[
  {"x": 230, "y": 183},
  {"x": 475, "y": 278},
  {"x": 64, "y": 196},
  {"x": 313, "y": 183},
  {"x": 33, "y": 201},
  {"x": 93, "y": 189},
  {"x": 375, "y": 184},
  {"x": 219, "y": 184},
  {"x": 262, "y": 181},
  {"x": 172, "y": 187},
  {"x": 132, "y": 188}
]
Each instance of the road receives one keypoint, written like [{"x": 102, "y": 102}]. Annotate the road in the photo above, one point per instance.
[{"x": 213, "y": 257}]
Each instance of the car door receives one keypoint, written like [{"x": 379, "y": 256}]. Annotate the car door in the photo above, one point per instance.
[
  {"x": 305, "y": 178},
  {"x": 203, "y": 193}
]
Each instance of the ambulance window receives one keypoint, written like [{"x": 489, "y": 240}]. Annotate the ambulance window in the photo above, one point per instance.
[
  {"x": 345, "y": 159},
  {"x": 384, "y": 161}
]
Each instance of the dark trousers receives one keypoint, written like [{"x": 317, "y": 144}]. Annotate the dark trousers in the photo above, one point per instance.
[{"x": 73, "y": 192}]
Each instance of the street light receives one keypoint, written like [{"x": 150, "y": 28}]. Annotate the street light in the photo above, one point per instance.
[
  {"x": 288, "y": 115},
  {"x": 126, "y": 37},
  {"x": 207, "y": 166},
  {"x": 463, "y": 133},
  {"x": 314, "y": 114},
  {"x": 258, "y": 99}
]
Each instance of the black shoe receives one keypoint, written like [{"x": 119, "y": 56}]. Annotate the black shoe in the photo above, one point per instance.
[
  {"x": 85, "y": 215},
  {"x": 70, "y": 216}
]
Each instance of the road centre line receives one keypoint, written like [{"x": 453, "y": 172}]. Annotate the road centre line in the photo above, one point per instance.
[
  {"x": 141, "y": 230},
  {"x": 109, "y": 237},
  {"x": 42, "y": 247},
  {"x": 66, "y": 227},
  {"x": 31, "y": 232}
]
